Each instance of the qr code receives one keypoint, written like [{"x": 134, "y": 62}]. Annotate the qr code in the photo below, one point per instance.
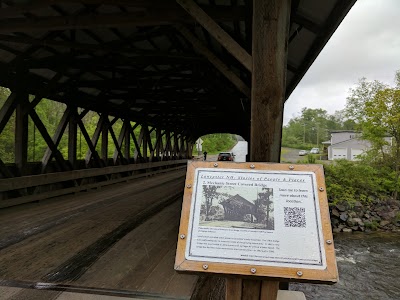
[{"x": 295, "y": 216}]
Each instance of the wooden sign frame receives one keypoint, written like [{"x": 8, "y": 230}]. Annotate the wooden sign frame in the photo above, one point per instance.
[{"x": 328, "y": 275}]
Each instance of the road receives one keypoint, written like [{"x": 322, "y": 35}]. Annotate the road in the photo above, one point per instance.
[
  {"x": 240, "y": 151},
  {"x": 291, "y": 155}
]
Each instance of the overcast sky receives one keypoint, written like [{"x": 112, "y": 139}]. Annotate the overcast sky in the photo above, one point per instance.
[{"x": 366, "y": 44}]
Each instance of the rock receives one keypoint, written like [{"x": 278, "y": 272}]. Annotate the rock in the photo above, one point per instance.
[
  {"x": 358, "y": 221},
  {"x": 384, "y": 223},
  {"x": 343, "y": 216},
  {"x": 367, "y": 216},
  {"x": 341, "y": 207},
  {"x": 347, "y": 230},
  {"x": 354, "y": 228},
  {"x": 350, "y": 222},
  {"x": 335, "y": 222},
  {"x": 336, "y": 230},
  {"x": 393, "y": 202},
  {"x": 341, "y": 226},
  {"x": 376, "y": 218},
  {"x": 335, "y": 212}
]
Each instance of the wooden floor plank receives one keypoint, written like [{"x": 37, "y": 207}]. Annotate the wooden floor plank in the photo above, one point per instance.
[{"x": 141, "y": 260}]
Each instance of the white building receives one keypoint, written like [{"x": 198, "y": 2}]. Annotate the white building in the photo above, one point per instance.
[{"x": 346, "y": 144}]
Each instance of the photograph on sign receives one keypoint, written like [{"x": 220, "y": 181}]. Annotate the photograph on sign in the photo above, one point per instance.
[{"x": 255, "y": 217}]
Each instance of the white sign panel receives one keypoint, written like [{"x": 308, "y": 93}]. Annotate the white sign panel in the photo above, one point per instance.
[
  {"x": 199, "y": 143},
  {"x": 256, "y": 217}
]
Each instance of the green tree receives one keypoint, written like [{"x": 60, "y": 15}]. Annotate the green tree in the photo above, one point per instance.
[
  {"x": 311, "y": 128},
  {"x": 210, "y": 193},
  {"x": 359, "y": 95},
  {"x": 264, "y": 207},
  {"x": 382, "y": 118},
  {"x": 375, "y": 107},
  {"x": 7, "y": 135}
]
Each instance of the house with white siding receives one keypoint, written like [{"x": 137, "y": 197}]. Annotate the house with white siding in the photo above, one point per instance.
[{"x": 347, "y": 144}]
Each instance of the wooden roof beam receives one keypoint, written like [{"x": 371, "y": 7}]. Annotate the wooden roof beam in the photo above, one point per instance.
[
  {"x": 151, "y": 17},
  {"x": 217, "y": 32},
  {"x": 112, "y": 62},
  {"x": 307, "y": 23},
  {"x": 218, "y": 64}
]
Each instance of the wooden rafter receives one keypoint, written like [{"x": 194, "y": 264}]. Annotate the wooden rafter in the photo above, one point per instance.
[
  {"x": 152, "y": 17},
  {"x": 217, "y": 32},
  {"x": 218, "y": 64}
]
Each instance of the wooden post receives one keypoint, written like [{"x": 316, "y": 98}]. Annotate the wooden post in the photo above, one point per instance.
[
  {"x": 104, "y": 141},
  {"x": 270, "y": 39},
  {"x": 73, "y": 137},
  {"x": 21, "y": 136},
  {"x": 269, "y": 52},
  {"x": 21, "y": 122},
  {"x": 127, "y": 139}
]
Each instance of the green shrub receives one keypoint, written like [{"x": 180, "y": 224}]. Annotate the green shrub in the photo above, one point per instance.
[
  {"x": 311, "y": 158},
  {"x": 218, "y": 142},
  {"x": 351, "y": 181},
  {"x": 371, "y": 225}
]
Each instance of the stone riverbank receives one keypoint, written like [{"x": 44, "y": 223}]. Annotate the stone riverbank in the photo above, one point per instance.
[{"x": 372, "y": 216}]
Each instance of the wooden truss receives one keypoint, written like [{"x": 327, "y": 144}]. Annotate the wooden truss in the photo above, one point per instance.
[{"x": 135, "y": 148}]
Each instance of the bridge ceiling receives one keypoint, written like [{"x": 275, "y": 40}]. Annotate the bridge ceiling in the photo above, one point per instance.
[{"x": 145, "y": 60}]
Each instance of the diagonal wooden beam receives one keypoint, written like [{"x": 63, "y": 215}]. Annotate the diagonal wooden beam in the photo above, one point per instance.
[
  {"x": 5, "y": 171},
  {"x": 88, "y": 141},
  {"x": 218, "y": 64},
  {"x": 217, "y": 32},
  {"x": 137, "y": 153},
  {"x": 95, "y": 138},
  {"x": 49, "y": 141},
  {"x": 118, "y": 145},
  {"x": 56, "y": 138},
  {"x": 7, "y": 110},
  {"x": 138, "y": 143}
]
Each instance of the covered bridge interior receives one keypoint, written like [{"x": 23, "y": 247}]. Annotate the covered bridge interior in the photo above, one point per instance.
[{"x": 175, "y": 69}]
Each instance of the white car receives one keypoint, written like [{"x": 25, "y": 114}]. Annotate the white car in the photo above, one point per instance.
[
  {"x": 314, "y": 151},
  {"x": 302, "y": 152}
]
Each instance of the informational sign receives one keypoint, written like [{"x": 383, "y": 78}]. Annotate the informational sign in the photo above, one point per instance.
[{"x": 256, "y": 218}]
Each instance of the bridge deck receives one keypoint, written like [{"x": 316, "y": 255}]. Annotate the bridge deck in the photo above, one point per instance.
[{"x": 119, "y": 238}]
